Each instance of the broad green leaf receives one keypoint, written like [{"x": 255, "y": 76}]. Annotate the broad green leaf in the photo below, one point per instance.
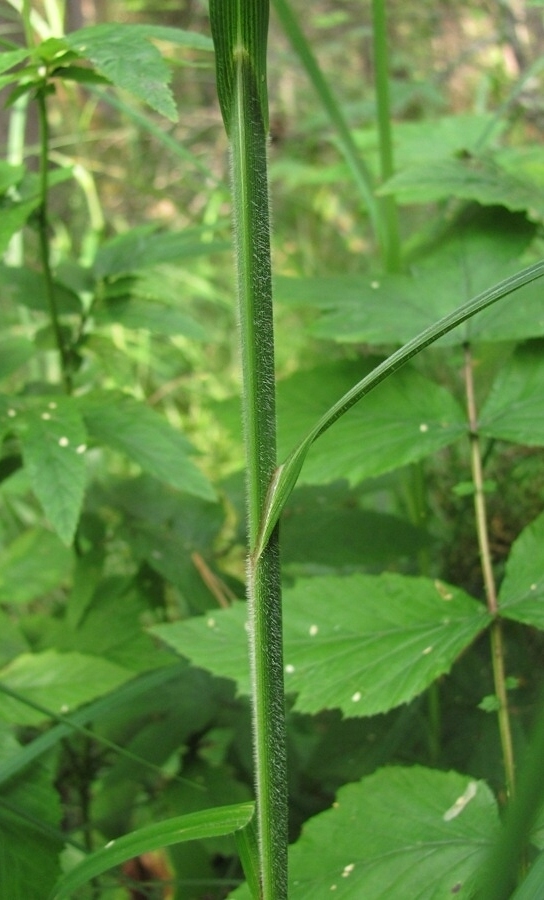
[
  {"x": 514, "y": 409},
  {"x": 59, "y": 681},
  {"x": 287, "y": 473},
  {"x": 406, "y": 419},
  {"x": 143, "y": 247},
  {"x": 194, "y": 826},
  {"x": 30, "y": 836},
  {"x": 13, "y": 217},
  {"x": 147, "y": 438},
  {"x": 470, "y": 179},
  {"x": 53, "y": 439},
  {"x": 389, "y": 638},
  {"x": 400, "y": 833},
  {"x": 124, "y": 55},
  {"x": 390, "y": 309},
  {"x": 521, "y": 595},
  {"x": 34, "y": 564},
  {"x": 14, "y": 353}
]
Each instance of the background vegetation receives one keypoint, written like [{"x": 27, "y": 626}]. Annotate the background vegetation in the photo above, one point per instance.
[{"x": 122, "y": 645}]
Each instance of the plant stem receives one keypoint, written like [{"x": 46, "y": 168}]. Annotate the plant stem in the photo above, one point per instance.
[
  {"x": 239, "y": 31},
  {"x": 391, "y": 239},
  {"x": 497, "y": 646},
  {"x": 44, "y": 239}
]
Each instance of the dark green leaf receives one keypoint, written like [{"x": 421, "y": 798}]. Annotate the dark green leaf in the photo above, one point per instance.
[
  {"x": 194, "y": 826},
  {"x": 398, "y": 834},
  {"x": 27, "y": 288},
  {"x": 124, "y": 55}
]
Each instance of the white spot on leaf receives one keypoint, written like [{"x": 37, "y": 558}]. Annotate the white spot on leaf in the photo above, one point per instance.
[
  {"x": 461, "y": 802},
  {"x": 289, "y": 669},
  {"x": 210, "y": 623},
  {"x": 374, "y": 285},
  {"x": 11, "y": 413},
  {"x": 81, "y": 448},
  {"x": 52, "y": 405},
  {"x": 356, "y": 696},
  {"x": 63, "y": 442},
  {"x": 348, "y": 870},
  {"x": 46, "y": 416},
  {"x": 423, "y": 427},
  {"x": 313, "y": 630},
  {"x": 427, "y": 651}
]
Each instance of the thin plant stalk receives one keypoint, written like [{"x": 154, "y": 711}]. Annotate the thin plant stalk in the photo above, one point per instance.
[
  {"x": 387, "y": 169},
  {"x": 497, "y": 647},
  {"x": 43, "y": 233},
  {"x": 239, "y": 30}
]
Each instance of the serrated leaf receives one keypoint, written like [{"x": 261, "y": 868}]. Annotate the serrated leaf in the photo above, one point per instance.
[
  {"x": 194, "y": 826},
  {"x": 30, "y": 837},
  {"x": 143, "y": 247},
  {"x": 53, "y": 439},
  {"x": 58, "y": 681},
  {"x": 147, "y": 438},
  {"x": 514, "y": 409},
  {"x": 389, "y": 638},
  {"x": 34, "y": 564},
  {"x": 405, "y": 419},
  {"x": 402, "y": 832},
  {"x": 124, "y": 55},
  {"x": 393, "y": 308},
  {"x": 521, "y": 596},
  {"x": 179, "y": 36},
  {"x": 473, "y": 178}
]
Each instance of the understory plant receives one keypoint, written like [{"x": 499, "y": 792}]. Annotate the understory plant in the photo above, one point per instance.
[{"x": 381, "y": 720}]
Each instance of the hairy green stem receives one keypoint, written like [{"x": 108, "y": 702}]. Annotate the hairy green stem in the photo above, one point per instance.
[
  {"x": 391, "y": 239},
  {"x": 43, "y": 232},
  {"x": 239, "y": 31},
  {"x": 497, "y": 648}
]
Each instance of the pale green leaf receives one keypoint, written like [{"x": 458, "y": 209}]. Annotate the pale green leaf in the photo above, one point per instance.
[
  {"x": 521, "y": 595},
  {"x": 392, "y": 308},
  {"x": 465, "y": 179},
  {"x": 531, "y": 887},
  {"x": 53, "y": 439},
  {"x": 389, "y": 638},
  {"x": 147, "y": 438},
  {"x": 194, "y": 826},
  {"x": 514, "y": 410},
  {"x": 34, "y": 564},
  {"x": 10, "y": 174},
  {"x": 150, "y": 315},
  {"x": 124, "y": 55},
  {"x": 179, "y": 36},
  {"x": 143, "y": 247},
  {"x": 400, "y": 833},
  {"x": 59, "y": 681}
]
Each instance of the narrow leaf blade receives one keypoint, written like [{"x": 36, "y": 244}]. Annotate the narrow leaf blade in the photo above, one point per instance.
[{"x": 194, "y": 826}]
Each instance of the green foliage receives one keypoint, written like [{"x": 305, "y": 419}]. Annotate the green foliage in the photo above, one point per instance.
[{"x": 410, "y": 501}]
